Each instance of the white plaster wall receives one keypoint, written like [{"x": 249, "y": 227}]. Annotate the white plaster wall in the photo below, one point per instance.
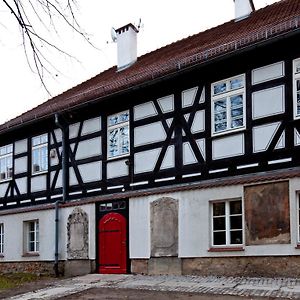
[
  {"x": 58, "y": 136},
  {"x": 268, "y": 72},
  {"x": 13, "y": 233},
  {"x": 91, "y": 172},
  {"x": 195, "y": 225},
  {"x": 38, "y": 183},
  {"x": 20, "y": 146},
  {"x": 22, "y": 184},
  {"x": 73, "y": 130},
  {"x": 21, "y": 165},
  {"x": 59, "y": 179},
  {"x": 166, "y": 103},
  {"x": 145, "y": 161},
  {"x": 91, "y": 125},
  {"x": 149, "y": 133},
  {"x": 188, "y": 97},
  {"x": 3, "y": 188},
  {"x": 89, "y": 148},
  {"x": 117, "y": 169},
  {"x": 144, "y": 110}
]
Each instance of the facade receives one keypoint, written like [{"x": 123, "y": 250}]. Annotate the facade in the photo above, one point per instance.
[{"x": 182, "y": 161}]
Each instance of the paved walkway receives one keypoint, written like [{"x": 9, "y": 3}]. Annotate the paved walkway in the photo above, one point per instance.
[{"x": 286, "y": 288}]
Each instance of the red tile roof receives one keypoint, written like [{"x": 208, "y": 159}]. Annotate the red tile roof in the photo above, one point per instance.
[{"x": 266, "y": 23}]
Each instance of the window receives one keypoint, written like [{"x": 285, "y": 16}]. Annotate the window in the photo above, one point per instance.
[
  {"x": 297, "y": 88},
  {"x": 118, "y": 134},
  {"x": 1, "y": 238},
  {"x": 228, "y": 104},
  {"x": 6, "y": 162},
  {"x": 227, "y": 223},
  {"x": 39, "y": 153},
  {"x": 31, "y": 233}
]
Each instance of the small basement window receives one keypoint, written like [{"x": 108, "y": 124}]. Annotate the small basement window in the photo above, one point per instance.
[
  {"x": 228, "y": 104},
  {"x": 6, "y": 162},
  {"x": 40, "y": 153},
  {"x": 227, "y": 223}
]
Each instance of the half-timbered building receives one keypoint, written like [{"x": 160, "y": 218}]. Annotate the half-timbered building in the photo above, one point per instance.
[{"x": 181, "y": 161}]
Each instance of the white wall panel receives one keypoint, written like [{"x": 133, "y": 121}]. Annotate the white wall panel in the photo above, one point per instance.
[
  {"x": 38, "y": 183},
  {"x": 201, "y": 145},
  {"x": 3, "y": 188},
  {"x": 22, "y": 185},
  {"x": 263, "y": 135},
  {"x": 117, "y": 169},
  {"x": 73, "y": 130},
  {"x": 228, "y": 146},
  {"x": 58, "y": 181},
  {"x": 199, "y": 122},
  {"x": 91, "y": 125},
  {"x": 54, "y": 156},
  {"x": 58, "y": 136},
  {"x": 72, "y": 177},
  {"x": 145, "y": 161},
  {"x": 89, "y": 148},
  {"x": 20, "y": 165},
  {"x": 188, "y": 154},
  {"x": 281, "y": 142},
  {"x": 296, "y": 137},
  {"x": 144, "y": 110},
  {"x": 169, "y": 159},
  {"x": 148, "y": 134},
  {"x": 166, "y": 103},
  {"x": 20, "y": 146},
  {"x": 188, "y": 97},
  {"x": 91, "y": 171},
  {"x": 268, "y": 102},
  {"x": 268, "y": 72}
]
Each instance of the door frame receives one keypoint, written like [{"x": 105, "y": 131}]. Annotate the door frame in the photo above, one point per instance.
[{"x": 99, "y": 215}]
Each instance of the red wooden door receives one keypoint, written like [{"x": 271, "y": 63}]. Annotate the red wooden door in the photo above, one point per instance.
[{"x": 112, "y": 244}]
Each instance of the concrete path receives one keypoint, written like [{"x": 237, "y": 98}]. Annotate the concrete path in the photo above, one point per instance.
[{"x": 286, "y": 288}]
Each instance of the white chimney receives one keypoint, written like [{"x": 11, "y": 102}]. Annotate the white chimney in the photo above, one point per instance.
[
  {"x": 126, "y": 37},
  {"x": 243, "y": 8}
]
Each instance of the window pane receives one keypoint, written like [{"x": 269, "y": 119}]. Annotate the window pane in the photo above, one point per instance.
[
  {"x": 219, "y": 209},
  {"x": 113, "y": 143},
  {"x": 237, "y": 112},
  {"x": 236, "y": 83},
  {"x": 220, "y": 127},
  {"x": 220, "y": 105},
  {"x": 236, "y": 100},
  {"x": 219, "y": 223},
  {"x": 297, "y": 69},
  {"x": 236, "y": 222},
  {"x": 124, "y": 140},
  {"x": 219, "y": 117},
  {"x": 219, "y": 238},
  {"x": 236, "y": 123},
  {"x": 219, "y": 88},
  {"x": 236, "y": 237},
  {"x": 235, "y": 207},
  {"x": 124, "y": 117}
]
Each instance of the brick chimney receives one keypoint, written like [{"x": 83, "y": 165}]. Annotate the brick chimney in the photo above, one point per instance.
[
  {"x": 126, "y": 37},
  {"x": 243, "y": 8}
]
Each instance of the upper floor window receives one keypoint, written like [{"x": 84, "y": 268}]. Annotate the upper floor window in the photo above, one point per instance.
[
  {"x": 227, "y": 223},
  {"x": 118, "y": 134},
  {"x": 6, "y": 162},
  {"x": 228, "y": 104},
  {"x": 39, "y": 153},
  {"x": 297, "y": 88},
  {"x": 1, "y": 238}
]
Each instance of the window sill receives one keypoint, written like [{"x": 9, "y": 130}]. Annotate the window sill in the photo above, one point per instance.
[
  {"x": 39, "y": 173},
  {"x": 227, "y": 131},
  {"x": 226, "y": 249},
  {"x": 30, "y": 254}
]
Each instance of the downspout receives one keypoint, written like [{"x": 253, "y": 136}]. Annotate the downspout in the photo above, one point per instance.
[{"x": 65, "y": 174}]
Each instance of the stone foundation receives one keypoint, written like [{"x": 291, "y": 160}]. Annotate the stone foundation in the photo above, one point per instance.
[
  {"x": 34, "y": 267},
  {"x": 77, "y": 267},
  {"x": 260, "y": 266}
]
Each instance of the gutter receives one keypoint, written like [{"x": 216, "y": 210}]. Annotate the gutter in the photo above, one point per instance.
[{"x": 65, "y": 175}]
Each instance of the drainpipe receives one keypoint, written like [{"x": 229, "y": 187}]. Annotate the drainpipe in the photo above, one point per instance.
[{"x": 65, "y": 174}]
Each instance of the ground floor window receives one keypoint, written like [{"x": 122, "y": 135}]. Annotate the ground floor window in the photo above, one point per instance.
[
  {"x": 1, "y": 238},
  {"x": 227, "y": 223},
  {"x": 31, "y": 234}
]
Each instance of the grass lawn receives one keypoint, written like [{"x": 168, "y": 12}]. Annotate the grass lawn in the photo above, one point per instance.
[{"x": 12, "y": 280}]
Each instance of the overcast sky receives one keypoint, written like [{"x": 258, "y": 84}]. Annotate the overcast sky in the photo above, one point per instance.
[{"x": 164, "y": 22}]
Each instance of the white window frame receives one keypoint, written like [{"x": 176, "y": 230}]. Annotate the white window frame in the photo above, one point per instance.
[
  {"x": 27, "y": 236},
  {"x": 227, "y": 95},
  {"x": 1, "y": 238},
  {"x": 39, "y": 147},
  {"x": 118, "y": 126},
  {"x": 296, "y": 76},
  {"x": 228, "y": 230},
  {"x": 298, "y": 215},
  {"x": 7, "y": 155}
]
